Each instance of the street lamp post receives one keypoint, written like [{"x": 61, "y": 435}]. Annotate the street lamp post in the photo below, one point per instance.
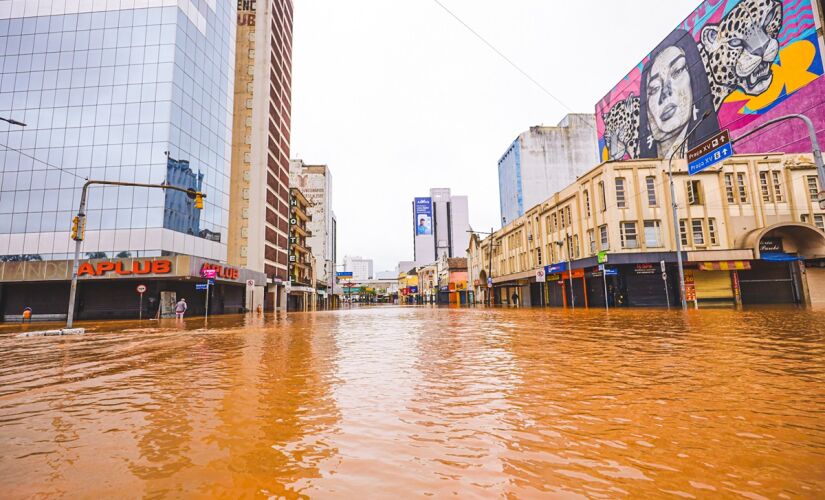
[
  {"x": 560, "y": 243},
  {"x": 80, "y": 222},
  {"x": 675, "y": 211},
  {"x": 820, "y": 166}
]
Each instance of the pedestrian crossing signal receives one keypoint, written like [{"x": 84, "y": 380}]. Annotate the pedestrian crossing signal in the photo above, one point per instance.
[{"x": 78, "y": 228}]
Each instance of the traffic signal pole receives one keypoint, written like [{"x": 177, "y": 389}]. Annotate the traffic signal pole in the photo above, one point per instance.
[{"x": 79, "y": 225}]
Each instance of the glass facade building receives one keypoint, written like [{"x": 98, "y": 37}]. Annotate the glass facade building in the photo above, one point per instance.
[{"x": 138, "y": 94}]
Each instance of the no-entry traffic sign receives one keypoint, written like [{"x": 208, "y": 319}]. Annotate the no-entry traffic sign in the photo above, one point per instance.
[{"x": 141, "y": 289}]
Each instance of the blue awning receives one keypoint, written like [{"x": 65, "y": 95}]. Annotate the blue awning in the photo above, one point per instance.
[{"x": 779, "y": 257}]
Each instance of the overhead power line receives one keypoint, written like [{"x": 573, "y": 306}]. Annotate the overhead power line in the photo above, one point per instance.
[
  {"x": 504, "y": 56},
  {"x": 43, "y": 162}
]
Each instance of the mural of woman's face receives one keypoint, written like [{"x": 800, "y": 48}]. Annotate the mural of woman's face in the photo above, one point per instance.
[{"x": 669, "y": 97}]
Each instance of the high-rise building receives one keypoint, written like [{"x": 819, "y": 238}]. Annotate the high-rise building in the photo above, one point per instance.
[
  {"x": 315, "y": 182},
  {"x": 543, "y": 161},
  {"x": 112, "y": 91},
  {"x": 441, "y": 223},
  {"x": 360, "y": 267},
  {"x": 260, "y": 150}
]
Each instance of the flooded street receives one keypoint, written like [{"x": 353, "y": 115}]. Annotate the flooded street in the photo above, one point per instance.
[{"x": 392, "y": 402}]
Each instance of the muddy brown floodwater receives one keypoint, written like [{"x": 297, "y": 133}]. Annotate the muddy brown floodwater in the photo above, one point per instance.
[{"x": 392, "y": 402}]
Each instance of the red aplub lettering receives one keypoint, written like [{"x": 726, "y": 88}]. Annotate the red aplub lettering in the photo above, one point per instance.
[
  {"x": 124, "y": 268},
  {"x": 227, "y": 273}
]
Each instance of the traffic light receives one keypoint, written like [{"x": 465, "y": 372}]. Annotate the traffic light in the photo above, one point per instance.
[
  {"x": 78, "y": 228},
  {"x": 197, "y": 196}
]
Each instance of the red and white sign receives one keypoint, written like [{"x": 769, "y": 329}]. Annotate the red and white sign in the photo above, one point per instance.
[
  {"x": 250, "y": 283},
  {"x": 141, "y": 289}
]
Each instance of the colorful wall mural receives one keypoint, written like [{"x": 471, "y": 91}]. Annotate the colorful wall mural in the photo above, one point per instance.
[{"x": 732, "y": 64}]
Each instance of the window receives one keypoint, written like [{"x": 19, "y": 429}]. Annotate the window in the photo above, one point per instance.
[
  {"x": 764, "y": 186},
  {"x": 819, "y": 220},
  {"x": 576, "y": 254},
  {"x": 628, "y": 234},
  {"x": 742, "y": 185},
  {"x": 538, "y": 256},
  {"x": 587, "y": 203},
  {"x": 698, "y": 231},
  {"x": 602, "y": 198},
  {"x": 569, "y": 215},
  {"x": 653, "y": 233},
  {"x": 729, "y": 188},
  {"x": 603, "y": 238},
  {"x": 683, "y": 237},
  {"x": 694, "y": 192},
  {"x": 813, "y": 187},
  {"x": 591, "y": 241},
  {"x": 777, "y": 187},
  {"x": 651, "y": 190},
  {"x": 620, "y": 198},
  {"x": 562, "y": 218},
  {"x": 554, "y": 223},
  {"x": 714, "y": 240}
]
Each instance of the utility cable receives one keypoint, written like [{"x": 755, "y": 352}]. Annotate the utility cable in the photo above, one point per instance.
[
  {"x": 504, "y": 56},
  {"x": 9, "y": 148}
]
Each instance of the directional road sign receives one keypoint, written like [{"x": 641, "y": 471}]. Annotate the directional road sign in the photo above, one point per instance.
[{"x": 710, "y": 152}]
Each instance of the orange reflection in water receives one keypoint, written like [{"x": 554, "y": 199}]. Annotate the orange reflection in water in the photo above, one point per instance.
[{"x": 399, "y": 402}]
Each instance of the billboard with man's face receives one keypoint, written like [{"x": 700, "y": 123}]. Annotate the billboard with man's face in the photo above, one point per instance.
[
  {"x": 423, "y": 216},
  {"x": 732, "y": 64}
]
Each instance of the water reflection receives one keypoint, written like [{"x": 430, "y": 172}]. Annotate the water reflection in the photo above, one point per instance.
[{"x": 418, "y": 401}]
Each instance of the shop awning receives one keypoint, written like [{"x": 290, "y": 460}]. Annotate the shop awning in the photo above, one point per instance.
[
  {"x": 779, "y": 257},
  {"x": 730, "y": 265}
]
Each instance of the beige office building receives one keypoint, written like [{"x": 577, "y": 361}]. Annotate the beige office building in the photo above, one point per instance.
[{"x": 751, "y": 229}]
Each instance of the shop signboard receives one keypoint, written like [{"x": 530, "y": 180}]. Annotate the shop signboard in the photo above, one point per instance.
[
  {"x": 413, "y": 289},
  {"x": 209, "y": 273},
  {"x": 555, "y": 268},
  {"x": 771, "y": 245},
  {"x": 577, "y": 273},
  {"x": 645, "y": 269},
  {"x": 423, "y": 216}
]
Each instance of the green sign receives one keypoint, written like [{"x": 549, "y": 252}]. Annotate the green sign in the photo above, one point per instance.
[{"x": 602, "y": 258}]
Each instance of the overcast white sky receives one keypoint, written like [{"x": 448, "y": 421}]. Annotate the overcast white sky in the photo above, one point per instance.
[{"x": 398, "y": 97}]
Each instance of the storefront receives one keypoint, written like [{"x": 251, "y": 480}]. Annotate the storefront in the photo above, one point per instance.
[{"x": 108, "y": 289}]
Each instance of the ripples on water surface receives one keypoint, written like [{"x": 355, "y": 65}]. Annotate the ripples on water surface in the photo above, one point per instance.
[{"x": 401, "y": 402}]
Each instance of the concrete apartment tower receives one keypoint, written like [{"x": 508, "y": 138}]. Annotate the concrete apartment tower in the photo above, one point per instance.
[
  {"x": 315, "y": 182},
  {"x": 259, "y": 193},
  {"x": 441, "y": 223},
  {"x": 543, "y": 161},
  {"x": 361, "y": 268}
]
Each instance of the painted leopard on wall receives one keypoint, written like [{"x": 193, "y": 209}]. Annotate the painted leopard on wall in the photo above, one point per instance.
[
  {"x": 621, "y": 129},
  {"x": 739, "y": 50}
]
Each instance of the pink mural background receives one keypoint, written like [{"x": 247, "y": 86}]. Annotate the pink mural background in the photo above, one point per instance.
[{"x": 797, "y": 84}]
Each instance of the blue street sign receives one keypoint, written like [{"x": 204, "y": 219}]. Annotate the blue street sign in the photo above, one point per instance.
[
  {"x": 709, "y": 159},
  {"x": 556, "y": 268},
  {"x": 201, "y": 286},
  {"x": 611, "y": 271},
  {"x": 211, "y": 282},
  {"x": 712, "y": 151}
]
